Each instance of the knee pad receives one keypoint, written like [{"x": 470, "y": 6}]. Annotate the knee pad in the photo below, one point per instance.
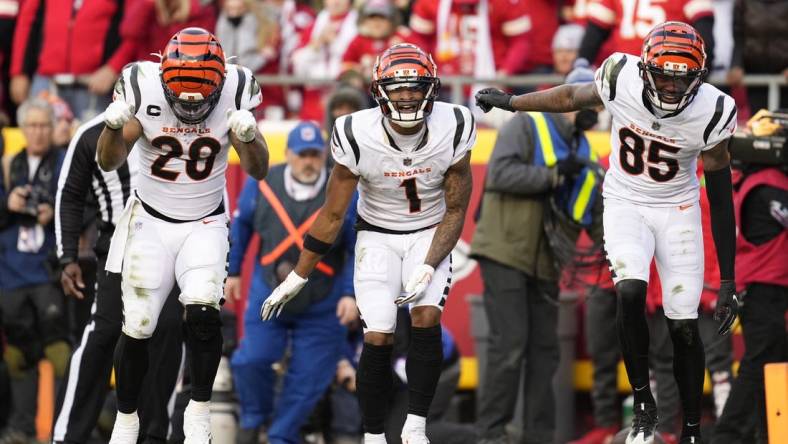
[
  {"x": 58, "y": 353},
  {"x": 15, "y": 360},
  {"x": 631, "y": 292},
  {"x": 684, "y": 332},
  {"x": 203, "y": 323}
]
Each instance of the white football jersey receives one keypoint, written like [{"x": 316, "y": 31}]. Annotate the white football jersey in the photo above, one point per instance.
[
  {"x": 653, "y": 161},
  {"x": 182, "y": 165},
  {"x": 402, "y": 190}
]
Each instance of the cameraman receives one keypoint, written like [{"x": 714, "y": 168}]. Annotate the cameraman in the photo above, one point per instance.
[
  {"x": 535, "y": 160},
  {"x": 31, "y": 305},
  {"x": 761, "y": 205}
]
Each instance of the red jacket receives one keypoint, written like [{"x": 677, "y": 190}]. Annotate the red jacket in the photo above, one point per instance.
[
  {"x": 70, "y": 42},
  {"x": 363, "y": 50},
  {"x": 509, "y": 25}
]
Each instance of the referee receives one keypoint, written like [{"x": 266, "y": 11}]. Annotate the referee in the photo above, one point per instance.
[{"x": 82, "y": 394}]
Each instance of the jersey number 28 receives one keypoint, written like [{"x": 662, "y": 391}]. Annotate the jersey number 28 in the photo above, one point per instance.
[
  {"x": 631, "y": 156},
  {"x": 197, "y": 156}
]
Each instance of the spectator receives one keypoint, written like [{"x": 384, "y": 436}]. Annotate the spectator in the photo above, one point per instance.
[
  {"x": 149, "y": 24},
  {"x": 82, "y": 394},
  {"x": 73, "y": 49},
  {"x": 544, "y": 24},
  {"x": 289, "y": 197},
  {"x": 250, "y": 34},
  {"x": 321, "y": 51},
  {"x": 566, "y": 43},
  {"x": 475, "y": 38},
  {"x": 614, "y": 20},
  {"x": 519, "y": 266},
  {"x": 761, "y": 204},
  {"x": 759, "y": 47},
  {"x": 378, "y": 29},
  {"x": 344, "y": 100},
  {"x": 64, "y": 120},
  {"x": 32, "y": 307}
]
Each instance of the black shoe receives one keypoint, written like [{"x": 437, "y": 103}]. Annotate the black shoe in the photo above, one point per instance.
[
  {"x": 690, "y": 440},
  {"x": 644, "y": 424}
]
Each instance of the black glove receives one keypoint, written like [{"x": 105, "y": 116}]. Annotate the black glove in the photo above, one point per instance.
[
  {"x": 727, "y": 307},
  {"x": 569, "y": 167},
  {"x": 490, "y": 98}
]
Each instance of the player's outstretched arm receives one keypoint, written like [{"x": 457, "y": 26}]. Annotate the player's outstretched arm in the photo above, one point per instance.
[
  {"x": 117, "y": 138},
  {"x": 560, "y": 99},
  {"x": 719, "y": 189},
  {"x": 248, "y": 142},
  {"x": 324, "y": 231}
]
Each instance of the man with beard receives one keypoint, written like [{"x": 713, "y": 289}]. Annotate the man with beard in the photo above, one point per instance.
[{"x": 280, "y": 210}]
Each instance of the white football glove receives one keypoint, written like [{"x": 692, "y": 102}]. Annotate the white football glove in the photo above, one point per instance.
[
  {"x": 417, "y": 284},
  {"x": 281, "y": 295},
  {"x": 117, "y": 114},
  {"x": 243, "y": 124}
]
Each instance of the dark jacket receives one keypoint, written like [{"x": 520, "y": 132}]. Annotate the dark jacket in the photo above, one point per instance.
[
  {"x": 759, "y": 34},
  {"x": 18, "y": 269},
  {"x": 510, "y": 229}
]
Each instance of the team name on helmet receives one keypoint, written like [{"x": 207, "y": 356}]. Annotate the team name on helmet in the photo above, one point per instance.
[
  {"x": 405, "y": 66},
  {"x": 672, "y": 65},
  {"x": 192, "y": 74}
]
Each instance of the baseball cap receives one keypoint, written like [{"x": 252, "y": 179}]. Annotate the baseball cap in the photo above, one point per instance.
[
  {"x": 305, "y": 136},
  {"x": 382, "y": 8}
]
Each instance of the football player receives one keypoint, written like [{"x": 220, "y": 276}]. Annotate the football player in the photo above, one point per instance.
[
  {"x": 182, "y": 114},
  {"x": 410, "y": 158},
  {"x": 664, "y": 116}
]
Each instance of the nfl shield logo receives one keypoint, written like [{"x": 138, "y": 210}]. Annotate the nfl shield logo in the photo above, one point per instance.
[
  {"x": 655, "y": 126},
  {"x": 407, "y": 162}
]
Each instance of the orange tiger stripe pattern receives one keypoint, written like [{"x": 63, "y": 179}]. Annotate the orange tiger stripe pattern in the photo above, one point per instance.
[
  {"x": 192, "y": 66},
  {"x": 674, "y": 44}
]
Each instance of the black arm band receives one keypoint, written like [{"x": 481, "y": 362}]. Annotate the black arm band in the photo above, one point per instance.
[
  {"x": 719, "y": 188},
  {"x": 316, "y": 245}
]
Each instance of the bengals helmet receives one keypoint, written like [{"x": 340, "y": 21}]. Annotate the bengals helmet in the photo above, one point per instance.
[
  {"x": 672, "y": 65},
  {"x": 192, "y": 74},
  {"x": 405, "y": 66}
]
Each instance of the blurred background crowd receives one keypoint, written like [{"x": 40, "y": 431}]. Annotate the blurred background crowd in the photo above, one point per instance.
[{"x": 59, "y": 60}]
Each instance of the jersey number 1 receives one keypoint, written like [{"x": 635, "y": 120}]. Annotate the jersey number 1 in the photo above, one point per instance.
[
  {"x": 631, "y": 156},
  {"x": 412, "y": 194},
  {"x": 193, "y": 169}
]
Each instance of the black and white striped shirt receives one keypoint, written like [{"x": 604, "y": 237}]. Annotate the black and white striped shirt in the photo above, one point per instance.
[{"x": 81, "y": 175}]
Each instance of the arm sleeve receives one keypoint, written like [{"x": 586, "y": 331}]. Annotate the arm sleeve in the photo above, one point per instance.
[
  {"x": 349, "y": 243},
  {"x": 242, "y": 226},
  {"x": 508, "y": 171},
  {"x": 343, "y": 151},
  {"x": 739, "y": 10},
  {"x": 719, "y": 188},
  {"x": 593, "y": 39},
  {"x": 705, "y": 27},
  {"x": 72, "y": 190},
  {"x": 27, "y": 38}
]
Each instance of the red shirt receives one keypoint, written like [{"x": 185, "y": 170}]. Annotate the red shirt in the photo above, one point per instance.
[
  {"x": 544, "y": 22},
  {"x": 631, "y": 20},
  {"x": 72, "y": 42},
  {"x": 509, "y": 25},
  {"x": 363, "y": 51}
]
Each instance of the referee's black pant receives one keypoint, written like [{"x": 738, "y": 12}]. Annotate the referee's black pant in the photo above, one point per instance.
[{"x": 82, "y": 394}]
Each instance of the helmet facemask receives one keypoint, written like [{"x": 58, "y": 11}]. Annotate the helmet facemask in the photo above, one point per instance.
[
  {"x": 671, "y": 88},
  {"x": 406, "y": 113},
  {"x": 192, "y": 108}
]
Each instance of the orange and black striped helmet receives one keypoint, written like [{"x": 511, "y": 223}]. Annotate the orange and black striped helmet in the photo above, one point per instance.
[
  {"x": 672, "y": 65},
  {"x": 405, "y": 66},
  {"x": 192, "y": 73}
]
